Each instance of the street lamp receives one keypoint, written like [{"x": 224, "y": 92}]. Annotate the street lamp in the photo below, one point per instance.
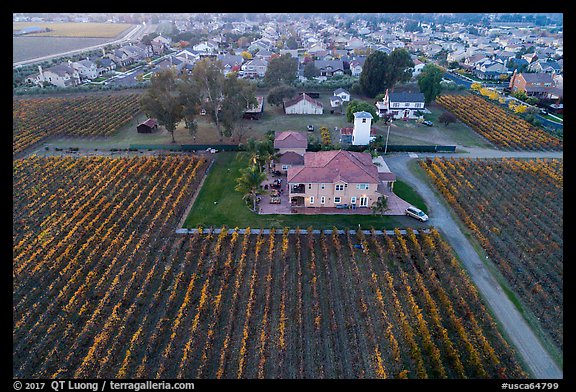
[{"x": 386, "y": 146}]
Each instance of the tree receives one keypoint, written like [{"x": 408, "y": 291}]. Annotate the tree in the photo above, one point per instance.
[
  {"x": 291, "y": 43},
  {"x": 429, "y": 81},
  {"x": 380, "y": 206},
  {"x": 310, "y": 70},
  {"x": 238, "y": 97},
  {"x": 246, "y": 55},
  {"x": 447, "y": 118},
  {"x": 249, "y": 183},
  {"x": 162, "y": 100},
  {"x": 282, "y": 69},
  {"x": 147, "y": 39},
  {"x": 258, "y": 152},
  {"x": 382, "y": 71},
  {"x": 209, "y": 79},
  {"x": 277, "y": 94},
  {"x": 360, "y": 106}
]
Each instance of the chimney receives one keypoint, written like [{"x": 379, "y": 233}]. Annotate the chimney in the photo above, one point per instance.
[
  {"x": 103, "y": 52},
  {"x": 41, "y": 73}
]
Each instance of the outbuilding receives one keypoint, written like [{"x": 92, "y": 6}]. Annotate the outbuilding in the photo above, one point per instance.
[{"x": 148, "y": 126}]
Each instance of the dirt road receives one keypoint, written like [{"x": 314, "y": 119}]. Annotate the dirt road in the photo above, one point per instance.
[{"x": 536, "y": 357}]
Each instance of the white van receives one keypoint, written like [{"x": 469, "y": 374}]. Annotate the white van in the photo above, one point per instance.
[{"x": 416, "y": 213}]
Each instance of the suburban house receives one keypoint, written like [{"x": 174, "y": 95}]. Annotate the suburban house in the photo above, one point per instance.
[
  {"x": 206, "y": 46},
  {"x": 330, "y": 68},
  {"x": 356, "y": 65},
  {"x": 290, "y": 141},
  {"x": 254, "y": 68},
  {"x": 230, "y": 62},
  {"x": 342, "y": 94},
  {"x": 104, "y": 65},
  {"x": 418, "y": 66},
  {"x": 160, "y": 44},
  {"x": 148, "y": 126},
  {"x": 303, "y": 104},
  {"x": 61, "y": 75},
  {"x": 539, "y": 85},
  {"x": 86, "y": 69},
  {"x": 336, "y": 178},
  {"x": 403, "y": 105},
  {"x": 545, "y": 66},
  {"x": 489, "y": 69}
]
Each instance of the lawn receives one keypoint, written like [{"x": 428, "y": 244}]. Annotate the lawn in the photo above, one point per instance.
[
  {"x": 404, "y": 191},
  {"x": 218, "y": 204}
]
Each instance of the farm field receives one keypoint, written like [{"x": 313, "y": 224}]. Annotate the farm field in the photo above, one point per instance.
[
  {"x": 515, "y": 210},
  {"x": 75, "y": 30},
  {"x": 104, "y": 288},
  {"x": 504, "y": 129},
  {"x": 35, "y": 119},
  {"x": 28, "y": 47}
]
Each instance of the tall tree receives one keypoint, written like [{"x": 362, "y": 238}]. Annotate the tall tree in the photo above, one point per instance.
[
  {"x": 277, "y": 94},
  {"x": 249, "y": 183},
  {"x": 429, "y": 81},
  {"x": 190, "y": 100},
  {"x": 281, "y": 70},
  {"x": 209, "y": 78},
  {"x": 310, "y": 70},
  {"x": 258, "y": 152},
  {"x": 382, "y": 71},
  {"x": 162, "y": 100},
  {"x": 291, "y": 43},
  {"x": 360, "y": 106},
  {"x": 238, "y": 97}
]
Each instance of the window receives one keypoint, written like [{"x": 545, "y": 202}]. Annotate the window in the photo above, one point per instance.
[
  {"x": 363, "y": 120},
  {"x": 395, "y": 105},
  {"x": 322, "y": 199},
  {"x": 362, "y": 186},
  {"x": 284, "y": 167},
  {"x": 339, "y": 187},
  {"x": 407, "y": 104},
  {"x": 309, "y": 186},
  {"x": 311, "y": 199},
  {"x": 337, "y": 200},
  {"x": 353, "y": 200},
  {"x": 322, "y": 186}
]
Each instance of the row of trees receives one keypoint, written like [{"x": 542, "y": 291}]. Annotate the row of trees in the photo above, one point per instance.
[{"x": 174, "y": 97}]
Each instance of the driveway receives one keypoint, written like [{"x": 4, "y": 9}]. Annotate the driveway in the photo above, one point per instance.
[{"x": 529, "y": 347}]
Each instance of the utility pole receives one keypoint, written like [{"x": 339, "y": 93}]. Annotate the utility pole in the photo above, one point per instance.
[{"x": 386, "y": 146}]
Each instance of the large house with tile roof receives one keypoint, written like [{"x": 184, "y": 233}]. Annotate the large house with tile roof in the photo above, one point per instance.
[{"x": 337, "y": 178}]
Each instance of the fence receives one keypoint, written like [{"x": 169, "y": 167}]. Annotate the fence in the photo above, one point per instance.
[
  {"x": 408, "y": 148},
  {"x": 184, "y": 147}
]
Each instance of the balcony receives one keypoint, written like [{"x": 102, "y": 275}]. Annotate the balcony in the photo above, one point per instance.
[{"x": 300, "y": 188}]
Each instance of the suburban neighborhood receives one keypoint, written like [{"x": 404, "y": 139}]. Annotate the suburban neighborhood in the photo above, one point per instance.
[{"x": 288, "y": 196}]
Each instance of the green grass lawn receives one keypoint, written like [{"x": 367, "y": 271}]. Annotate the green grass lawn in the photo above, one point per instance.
[
  {"x": 219, "y": 204},
  {"x": 406, "y": 192}
]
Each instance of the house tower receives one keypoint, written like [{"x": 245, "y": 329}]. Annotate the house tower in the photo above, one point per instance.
[{"x": 362, "y": 127}]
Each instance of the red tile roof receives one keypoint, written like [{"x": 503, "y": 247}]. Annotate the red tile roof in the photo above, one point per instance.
[
  {"x": 291, "y": 158},
  {"x": 335, "y": 166},
  {"x": 290, "y": 139}
]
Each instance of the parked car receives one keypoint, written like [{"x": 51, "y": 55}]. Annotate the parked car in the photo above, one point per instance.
[
  {"x": 543, "y": 111},
  {"x": 427, "y": 122},
  {"x": 416, "y": 213},
  {"x": 310, "y": 128}
]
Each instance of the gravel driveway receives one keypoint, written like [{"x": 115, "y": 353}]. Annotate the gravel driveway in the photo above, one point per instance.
[{"x": 535, "y": 356}]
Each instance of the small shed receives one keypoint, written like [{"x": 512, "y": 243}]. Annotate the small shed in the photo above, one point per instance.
[{"x": 148, "y": 126}]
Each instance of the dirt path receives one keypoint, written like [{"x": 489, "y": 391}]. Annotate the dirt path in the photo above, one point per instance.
[{"x": 529, "y": 347}]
